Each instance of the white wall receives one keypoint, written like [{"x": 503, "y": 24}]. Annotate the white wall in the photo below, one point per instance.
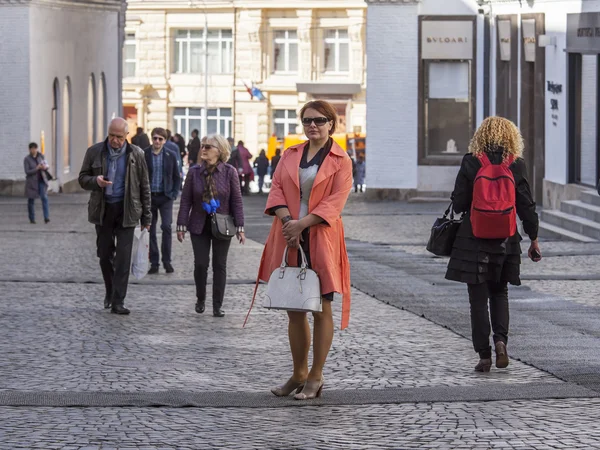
[
  {"x": 71, "y": 43},
  {"x": 14, "y": 92},
  {"x": 392, "y": 96}
]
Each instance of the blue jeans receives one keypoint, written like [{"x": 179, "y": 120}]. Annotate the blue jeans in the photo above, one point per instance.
[
  {"x": 44, "y": 197},
  {"x": 163, "y": 204}
]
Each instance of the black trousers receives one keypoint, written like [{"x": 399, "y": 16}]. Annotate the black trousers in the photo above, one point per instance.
[
  {"x": 497, "y": 293},
  {"x": 201, "y": 244},
  {"x": 163, "y": 204},
  {"x": 114, "y": 244}
]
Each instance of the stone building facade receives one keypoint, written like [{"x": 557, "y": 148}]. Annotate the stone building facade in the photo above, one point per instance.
[
  {"x": 291, "y": 51},
  {"x": 60, "y": 82}
]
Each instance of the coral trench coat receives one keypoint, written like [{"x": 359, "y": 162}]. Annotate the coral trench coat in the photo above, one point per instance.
[{"x": 327, "y": 200}]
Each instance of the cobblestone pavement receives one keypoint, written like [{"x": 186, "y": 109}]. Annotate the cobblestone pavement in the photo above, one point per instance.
[{"x": 61, "y": 342}]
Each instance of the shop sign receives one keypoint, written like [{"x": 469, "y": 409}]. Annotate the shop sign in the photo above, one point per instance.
[
  {"x": 528, "y": 31},
  {"x": 583, "y": 33},
  {"x": 446, "y": 39},
  {"x": 504, "y": 39}
]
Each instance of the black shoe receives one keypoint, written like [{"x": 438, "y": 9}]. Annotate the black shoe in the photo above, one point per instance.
[
  {"x": 200, "y": 307},
  {"x": 107, "y": 302},
  {"x": 32, "y": 222},
  {"x": 218, "y": 313},
  {"x": 169, "y": 268},
  {"x": 46, "y": 220},
  {"x": 153, "y": 270},
  {"x": 119, "y": 309}
]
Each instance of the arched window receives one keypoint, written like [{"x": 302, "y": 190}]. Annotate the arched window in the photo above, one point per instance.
[
  {"x": 101, "y": 130},
  {"x": 92, "y": 110},
  {"x": 66, "y": 126},
  {"x": 55, "y": 126}
]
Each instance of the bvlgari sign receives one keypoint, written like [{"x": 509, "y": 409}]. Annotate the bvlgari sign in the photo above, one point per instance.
[
  {"x": 583, "y": 33},
  {"x": 446, "y": 39}
]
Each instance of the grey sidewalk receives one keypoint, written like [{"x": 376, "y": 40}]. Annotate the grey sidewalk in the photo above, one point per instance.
[{"x": 393, "y": 379}]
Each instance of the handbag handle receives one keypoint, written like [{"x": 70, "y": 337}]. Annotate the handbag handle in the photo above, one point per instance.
[
  {"x": 450, "y": 210},
  {"x": 284, "y": 262}
]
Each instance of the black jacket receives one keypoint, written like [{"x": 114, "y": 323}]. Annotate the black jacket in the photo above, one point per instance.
[
  {"x": 141, "y": 140},
  {"x": 137, "y": 187},
  {"x": 193, "y": 150},
  {"x": 476, "y": 260},
  {"x": 171, "y": 175}
]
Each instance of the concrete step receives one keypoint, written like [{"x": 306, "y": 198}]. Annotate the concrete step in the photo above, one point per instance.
[
  {"x": 590, "y": 197},
  {"x": 573, "y": 223},
  {"x": 553, "y": 232},
  {"x": 421, "y": 199},
  {"x": 581, "y": 209}
]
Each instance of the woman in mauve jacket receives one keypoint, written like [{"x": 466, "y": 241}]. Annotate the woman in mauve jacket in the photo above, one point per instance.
[
  {"x": 488, "y": 265},
  {"x": 212, "y": 185},
  {"x": 308, "y": 193}
]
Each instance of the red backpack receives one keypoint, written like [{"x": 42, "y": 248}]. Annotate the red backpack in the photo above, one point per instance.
[{"x": 493, "y": 211}]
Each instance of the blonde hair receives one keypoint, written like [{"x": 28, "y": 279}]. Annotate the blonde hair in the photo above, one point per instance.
[
  {"x": 221, "y": 144},
  {"x": 497, "y": 132}
]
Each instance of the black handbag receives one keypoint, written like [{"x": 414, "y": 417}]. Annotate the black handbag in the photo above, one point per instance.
[
  {"x": 222, "y": 226},
  {"x": 443, "y": 233}
]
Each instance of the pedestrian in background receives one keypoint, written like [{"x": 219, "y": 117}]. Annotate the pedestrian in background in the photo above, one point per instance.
[
  {"x": 171, "y": 145},
  {"x": 180, "y": 142},
  {"x": 488, "y": 265},
  {"x": 309, "y": 215},
  {"x": 165, "y": 182},
  {"x": 275, "y": 161},
  {"x": 36, "y": 182},
  {"x": 261, "y": 163},
  {"x": 212, "y": 186},
  {"x": 140, "y": 139},
  {"x": 245, "y": 169},
  {"x": 193, "y": 148},
  {"x": 360, "y": 169},
  {"x": 116, "y": 173}
]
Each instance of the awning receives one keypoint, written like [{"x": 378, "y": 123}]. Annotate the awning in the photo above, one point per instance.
[{"x": 329, "y": 88}]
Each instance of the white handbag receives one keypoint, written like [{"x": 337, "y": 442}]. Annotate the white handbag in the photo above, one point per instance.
[{"x": 294, "y": 288}]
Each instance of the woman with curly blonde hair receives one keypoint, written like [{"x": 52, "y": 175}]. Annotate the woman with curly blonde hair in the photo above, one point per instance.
[{"x": 488, "y": 265}]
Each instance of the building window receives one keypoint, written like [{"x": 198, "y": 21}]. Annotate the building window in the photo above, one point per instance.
[
  {"x": 66, "y": 120},
  {"x": 129, "y": 49},
  {"x": 337, "y": 51},
  {"x": 189, "y": 51},
  {"x": 218, "y": 121},
  {"x": 92, "y": 109},
  {"x": 285, "y": 57},
  {"x": 285, "y": 121}
]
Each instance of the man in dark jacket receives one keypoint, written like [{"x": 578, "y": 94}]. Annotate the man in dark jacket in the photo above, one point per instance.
[
  {"x": 117, "y": 175},
  {"x": 193, "y": 149},
  {"x": 140, "y": 139},
  {"x": 275, "y": 161},
  {"x": 36, "y": 185},
  {"x": 165, "y": 181}
]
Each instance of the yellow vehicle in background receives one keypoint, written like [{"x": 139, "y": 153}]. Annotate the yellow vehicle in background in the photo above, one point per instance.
[{"x": 354, "y": 143}]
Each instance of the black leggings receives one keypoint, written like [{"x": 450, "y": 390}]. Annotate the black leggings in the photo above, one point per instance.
[
  {"x": 497, "y": 293},
  {"x": 201, "y": 244}
]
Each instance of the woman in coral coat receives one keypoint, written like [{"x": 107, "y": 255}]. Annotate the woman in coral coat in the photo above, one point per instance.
[{"x": 308, "y": 193}]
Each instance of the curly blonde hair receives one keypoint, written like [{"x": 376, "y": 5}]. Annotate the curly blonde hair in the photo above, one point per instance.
[{"x": 497, "y": 132}]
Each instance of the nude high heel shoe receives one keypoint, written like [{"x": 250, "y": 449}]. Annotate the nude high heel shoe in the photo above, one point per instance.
[
  {"x": 289, "y": 387},
  {"x": 312, "y": 389}
]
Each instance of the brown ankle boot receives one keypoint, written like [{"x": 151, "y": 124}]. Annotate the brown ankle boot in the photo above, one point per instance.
[
  {"x": 501, "y": 355},
  {"x": 484, "y": 365}
]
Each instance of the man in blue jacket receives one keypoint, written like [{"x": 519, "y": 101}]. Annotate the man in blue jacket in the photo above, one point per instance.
[{"x": 165, "y": 182}]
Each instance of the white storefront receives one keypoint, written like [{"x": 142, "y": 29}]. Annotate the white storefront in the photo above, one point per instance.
[
  {"x": 437, "y": 68},
  {"x": 61, "y": 71}
]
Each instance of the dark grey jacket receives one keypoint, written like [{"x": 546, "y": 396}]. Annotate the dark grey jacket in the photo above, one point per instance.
[
  {"x": 171, "y": 176},
  {"x": 32, "y": 181},
  {"x": 137, "y": 187}
]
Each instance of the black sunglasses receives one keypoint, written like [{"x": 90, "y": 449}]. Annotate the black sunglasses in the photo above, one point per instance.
[
  {"x": 207, "y": 146},
  {"x": 306, "y": 121},
  {"x": 158, "y": 138}
]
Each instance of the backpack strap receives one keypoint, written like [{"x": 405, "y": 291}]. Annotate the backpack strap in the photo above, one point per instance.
[
  {"x": 484, "y": 160},
  {"x": 509, "y": 160}
]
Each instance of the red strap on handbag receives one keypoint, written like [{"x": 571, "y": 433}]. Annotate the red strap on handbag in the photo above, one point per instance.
[{"x": 251, "y": 304}]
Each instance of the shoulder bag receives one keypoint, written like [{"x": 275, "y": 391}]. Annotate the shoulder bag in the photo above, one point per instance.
[
  {"x": 222, "y": 226},
  {"x": 443, "y": 233},
  {"x": 294, "y": 288}
]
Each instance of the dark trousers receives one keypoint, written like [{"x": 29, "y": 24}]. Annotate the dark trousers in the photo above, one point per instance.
[
  {"x": 201, "y": 244},
  {"x": 114, "y": 244},
  {"x": 245, "y": 183},
  {"x": 44, "y": 197},
  {"x": 163, "y": 204},
  {"x": 261, "y": 182},
  {"x": 497, "y": 293}
]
